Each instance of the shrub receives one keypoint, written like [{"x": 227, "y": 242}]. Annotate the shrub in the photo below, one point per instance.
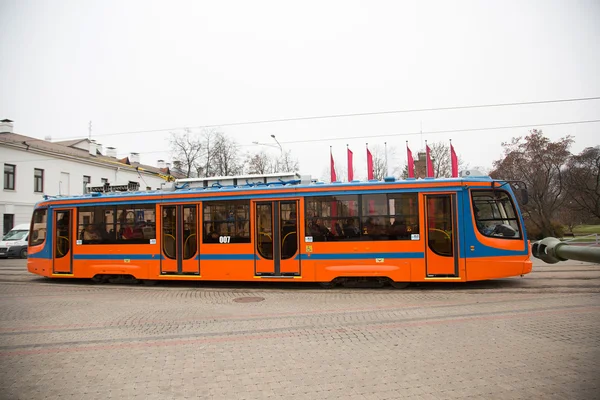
[{"x": 535, "y": 233}]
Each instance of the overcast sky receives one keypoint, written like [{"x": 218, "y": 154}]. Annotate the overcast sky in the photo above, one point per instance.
[{"x": 147, "y": 65}]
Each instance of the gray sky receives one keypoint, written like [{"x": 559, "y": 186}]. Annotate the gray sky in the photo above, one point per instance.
[{"x": 145, "y": 65}]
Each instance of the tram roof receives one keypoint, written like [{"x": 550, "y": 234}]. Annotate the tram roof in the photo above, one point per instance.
[{"x": 274, "y": 186}]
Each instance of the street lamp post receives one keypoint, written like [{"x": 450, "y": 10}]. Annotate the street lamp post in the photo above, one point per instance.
[{"x": 278, "y": 144}]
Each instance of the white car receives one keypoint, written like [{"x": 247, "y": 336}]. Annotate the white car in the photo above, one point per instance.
[{"x": 14, "y": 243}]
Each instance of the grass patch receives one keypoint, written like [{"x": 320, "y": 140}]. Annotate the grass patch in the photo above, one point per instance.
[{"x": 586, "y": 229}]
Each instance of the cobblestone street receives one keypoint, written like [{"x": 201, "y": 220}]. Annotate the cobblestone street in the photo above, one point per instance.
[{"x": 522, "y": 338}]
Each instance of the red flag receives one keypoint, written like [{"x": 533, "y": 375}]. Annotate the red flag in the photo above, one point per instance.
[
  {"x": 429, "y": 162},
  {"x": 350, "y": 166},
  {"x": 332, "y": 166},
  {"x": 370, "y": 174},
  {"x": 411, "y": 163},
  {"x": 454, "y": 160}
]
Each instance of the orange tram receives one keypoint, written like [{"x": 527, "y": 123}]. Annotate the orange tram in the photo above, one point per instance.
[{"x": 285, "y": 228}]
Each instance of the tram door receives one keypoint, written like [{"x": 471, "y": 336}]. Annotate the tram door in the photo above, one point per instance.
[
  {"x": 179, "y": 240},
  {"x": 63, "y": 242},
  {"x": 276, "y": 238},
  {"x": 441, "y": 242}
]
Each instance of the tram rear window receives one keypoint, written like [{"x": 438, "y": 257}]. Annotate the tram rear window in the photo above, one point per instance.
[
  {"x": 226, "y": 221},
  {"x": 386, "y": 216},
  {"x": 495, "y": 214},
  {"x": 38, "y": 227},
  {"x": 123, "y": 224}
]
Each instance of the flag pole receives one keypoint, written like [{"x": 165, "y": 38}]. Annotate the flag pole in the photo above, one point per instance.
[
  {"x": 426, "y": 160},
  {"x": 387, "y": 169},
  {"x": 348, "y": 161},
  {"x": 407, "y": 161},
  {"x": 451, "y": 162}
]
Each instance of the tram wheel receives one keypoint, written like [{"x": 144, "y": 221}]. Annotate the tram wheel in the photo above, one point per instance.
[
  {"x": 99, "y": 279},
  {"x": 328, "y": 285},
  {"x": 399, "y": 285}
]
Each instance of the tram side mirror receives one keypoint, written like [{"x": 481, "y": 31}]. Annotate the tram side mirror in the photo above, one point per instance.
[{"x": 524, "y": 196}]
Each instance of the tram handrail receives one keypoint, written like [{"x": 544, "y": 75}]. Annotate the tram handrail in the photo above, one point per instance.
[
  {"x": 58, "y": 247},
  {"x": 185, "y": 244},
  {"x": 165, "y": 242}
]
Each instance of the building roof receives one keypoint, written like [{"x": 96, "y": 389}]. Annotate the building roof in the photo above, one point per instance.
[
  {"x": 70, "y": 143},
  {"x": 63, "y": 149}
]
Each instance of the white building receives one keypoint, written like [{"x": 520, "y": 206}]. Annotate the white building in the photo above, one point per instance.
[{"x": 34, "y": 167}]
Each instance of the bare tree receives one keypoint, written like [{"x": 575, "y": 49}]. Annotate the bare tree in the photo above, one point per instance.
[
  {"x": 379, "y": 162},
  {"x": 440, "y": 153},
  {"x": 393, "y": 169},
  {"x": 286, "y": 163},
  {"x": 209, "y": 153},
  {"x": 209, "y": 139},
  {"x": 582, "y": 178},
  {"x": 260, "y": 163},
  {"x": 539, "y": 163},
  {"x": 441, "y": 160},
  {"x": 186, "y": 148},
  {"x": 225, "y": 156},
  {"x": 570, "y": 216},
  {"x": 341, "y": 171}
]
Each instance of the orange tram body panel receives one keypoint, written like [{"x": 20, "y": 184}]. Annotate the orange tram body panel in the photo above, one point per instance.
[{"x": 460, "y": 229}]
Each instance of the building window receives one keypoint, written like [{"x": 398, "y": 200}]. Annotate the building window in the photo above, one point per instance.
[
  {"x": 86, "y": 179},
  {"x": 9, "y": 176},
  {"x": 104, "y": 180},
  {"x": 38, "y": 180},
  {"x": 9, "y": 223}
]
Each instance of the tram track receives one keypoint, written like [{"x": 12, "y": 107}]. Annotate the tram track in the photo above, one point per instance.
[
  {"x": 241, "y": 318},
  {"x": 301, "y": 330}
]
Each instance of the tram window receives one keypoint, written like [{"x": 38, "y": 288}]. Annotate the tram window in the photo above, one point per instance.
[
  {"x": 374, "y": 204},
  {"x": 382, "y": 216},
  {"x": 391, "y": 216},
  {"x": 135, "y": 223},
  {"x": 495, "y": 214},
  {"x": 226, "y": 221},
  {"x": 404, "y": 216},
  {"x": 375, "y": 222},
  {"x": 127, "y": 224},
  {"x": 38, "y": 227},
  {"x": 331, "y": 218}
]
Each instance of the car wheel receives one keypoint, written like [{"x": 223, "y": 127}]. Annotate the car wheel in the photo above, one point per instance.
[{"x": 23, "y": 253}]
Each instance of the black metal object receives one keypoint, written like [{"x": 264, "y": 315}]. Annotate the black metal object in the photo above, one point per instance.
[{"x": 552, "y": 250}]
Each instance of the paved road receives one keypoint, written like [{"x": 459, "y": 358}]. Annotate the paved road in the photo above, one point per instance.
[{"x": 532, "y": 337}]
